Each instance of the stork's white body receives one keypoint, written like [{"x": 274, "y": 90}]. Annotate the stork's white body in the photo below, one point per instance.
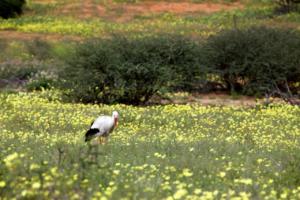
[
  {"x": 102, "y": 126},
  {"x": 105, "y": 124}
]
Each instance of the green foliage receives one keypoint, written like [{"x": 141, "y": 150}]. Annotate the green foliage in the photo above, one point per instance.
[
  {"x": 128, "y": 70},
  {"x": 41, "y": 80},
  {"x": 286, "y": 6},
  {"x": 254, "y": 60},
  {"x": 11, "y": 8}
]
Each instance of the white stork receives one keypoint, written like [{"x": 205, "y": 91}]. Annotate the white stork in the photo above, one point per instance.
[{"x": 102, "y": 127}]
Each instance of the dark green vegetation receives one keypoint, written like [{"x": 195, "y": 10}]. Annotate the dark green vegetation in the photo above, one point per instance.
[
  {"x": 11, "y": 8},
  {"x": 130, "y": 70},
  {"x": 255, "y": 60},
  {"x": 285, "y": 6},
  {"x": 252, "y": 61}
]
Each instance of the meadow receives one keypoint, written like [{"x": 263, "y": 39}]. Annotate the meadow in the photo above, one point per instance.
[
  {"x": 102, "y": 18},
  {"x": 167, "y": 151},
  {"x": 195, "y": 24},
  {"x": 156, "y": 152}
]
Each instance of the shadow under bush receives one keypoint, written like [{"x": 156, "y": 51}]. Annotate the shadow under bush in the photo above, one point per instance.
[
  {"x": 11, "y": 8},
  {"x": 30, "y": 75},
  {"x": 256, "y": 60},
  {"x": 286, "y": 6},
  {"x": 128, "y": 70},
  {"x": 16, "y": 73}
]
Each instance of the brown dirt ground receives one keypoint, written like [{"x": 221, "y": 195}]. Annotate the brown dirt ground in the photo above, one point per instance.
[
  {"x": 13, "y": 35},
  {"x": 215, "y": 99},
  {"x": 124, "y": 12},
  {"x": 119, "y": 12}
]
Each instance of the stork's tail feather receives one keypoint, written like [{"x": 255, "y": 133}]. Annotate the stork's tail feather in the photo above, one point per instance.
[{"x": 91, "y": 133}]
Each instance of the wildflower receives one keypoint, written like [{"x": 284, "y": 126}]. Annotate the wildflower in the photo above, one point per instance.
[
  {"x": 34, "y": 166},
  {"x": 116, "y": 172},
  {"x": 2, "y": 184},
  {"x": 187, "y": 173},
  {"x": 180, "y": 193},
  {"x": 36, "y": 185},
  {"x": 9, "y": 159},
  {"x": 222, "y": 174},
  {"x": 197, "y": 191}
]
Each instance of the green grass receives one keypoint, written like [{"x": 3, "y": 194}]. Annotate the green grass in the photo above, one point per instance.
[
  {"x": 34, "y": 50},
  {"x": 201, "y": 25},
  {"x": 157, "y": 152}
]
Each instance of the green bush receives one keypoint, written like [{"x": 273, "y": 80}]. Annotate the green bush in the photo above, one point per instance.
[
  {"x": 41, "y": 80},
  {"x": 286, "y": 6},
  {"x": 11, "y": 8},
  {"x": 128, "y": 70},
  {"x": 254, "y": 60}
]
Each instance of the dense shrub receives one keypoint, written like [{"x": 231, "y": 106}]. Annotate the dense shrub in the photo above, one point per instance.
[
  {"x": 11, "y": 8},
  {"x": 286, "y": 6},
  {"x": 41, "y": 81},
  {"x": 254, "y": 60},
  {"x": 128, "y": 70}
]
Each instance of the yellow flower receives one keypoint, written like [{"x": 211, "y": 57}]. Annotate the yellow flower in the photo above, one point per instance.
[
  {"x": 2, "y": 184},
  {"x": 9, "y": 159},
  {"x": 116, "y": 172},
  {"x": 197, "y": 191},
  {"x": 222, "y": 174},
  {"x": 180, "y": 193},
  {"x": 34, "y": 166},
  {"x": 187, "y": 173},
  {"x": 36, "y": 185}
]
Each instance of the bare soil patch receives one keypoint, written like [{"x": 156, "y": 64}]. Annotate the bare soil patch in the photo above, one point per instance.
[
  {"x": 212, "y": 99},
  {"x": 15, "y": 35},
  {"x": 124, "y": 12},
  {"x": 177, "y": 7}
]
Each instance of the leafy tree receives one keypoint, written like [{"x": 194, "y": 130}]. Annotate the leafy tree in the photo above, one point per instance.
[{"x": 256, "y": 60}]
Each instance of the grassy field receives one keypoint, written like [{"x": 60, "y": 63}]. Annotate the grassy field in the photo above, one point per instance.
[
  {"x": 201, "y": 22},
  {"x": 99, "y": 18},
  {"x": 157, "y": 152}
]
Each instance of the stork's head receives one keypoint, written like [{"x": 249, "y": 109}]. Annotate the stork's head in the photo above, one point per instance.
[{"x": 115, "y": 115}]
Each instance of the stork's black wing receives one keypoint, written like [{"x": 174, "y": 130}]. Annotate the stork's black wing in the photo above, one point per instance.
[{"x": 91, "y": 133}]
